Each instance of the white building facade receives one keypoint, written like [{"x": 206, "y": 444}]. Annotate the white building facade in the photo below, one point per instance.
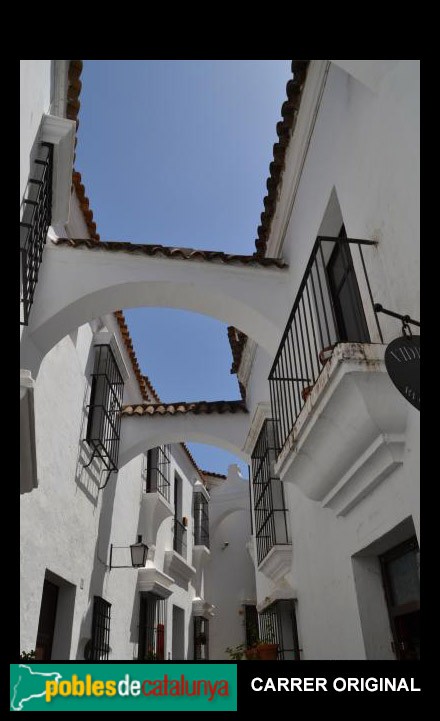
[{"x": 329, "y": 555}]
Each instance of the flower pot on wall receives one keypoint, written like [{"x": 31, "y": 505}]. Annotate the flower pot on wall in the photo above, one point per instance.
[{"x": 268, "y": 652}]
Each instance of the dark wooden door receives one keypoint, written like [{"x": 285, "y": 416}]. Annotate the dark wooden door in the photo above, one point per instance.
[{"x": 46, "y": 624}]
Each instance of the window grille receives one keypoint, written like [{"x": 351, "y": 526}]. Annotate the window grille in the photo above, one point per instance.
[
  {"x": 158, "y": 471},
  {"x": 100, "y": 629},
  {"x": 104, "y": 421},
  {"x": 201, "y": 520},
  {"x": 278, "y": 625},
  {"x": 201, "y": 638},
  {"x": 271, "y": 523},
  {"x": 152, "y": 627},
  {"x": 36, "y": 217}
]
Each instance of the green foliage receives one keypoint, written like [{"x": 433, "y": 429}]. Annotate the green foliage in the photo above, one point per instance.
[{"x": 27, "y": 655}]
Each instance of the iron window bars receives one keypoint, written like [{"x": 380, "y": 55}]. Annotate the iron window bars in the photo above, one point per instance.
[
  {"x": 251, "y": 624},
  {"x": 104, "y": 421},
  {"x": 158, "y": 471},
  {"x": 151, "y": 627},
  {"x": 35, "y": 221},
  {"x": 201, "y": 638},
  {"x": 278, "y": 625},
  {"x": 201, "y": 520},
  {"x": 100, "y": 629},
  {"x": 179, "y": 543},
  {"x": 271, "y": 526},
  {"x": 327, "y": 310}
]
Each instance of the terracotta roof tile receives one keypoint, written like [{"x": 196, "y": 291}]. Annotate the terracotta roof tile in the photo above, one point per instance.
[
  {"x": 85, "y": 206},
  {"x": 285, "y": 128},
  {"x": 184, "y": 407},
  {"x": 237, "y": 341},
  {"x": 73, "y": 91},
  {"x": 215, "y": 475},
  {"x": 170, "y": 252}
]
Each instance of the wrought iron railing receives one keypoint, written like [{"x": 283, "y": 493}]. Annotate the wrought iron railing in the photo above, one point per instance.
[
  {"x": 271, "y": 526},
  {"x": 179, "y": 543},
  {"x": 328, "y": 310},
  {"x": 201, "y": 638},
  {"x": 100, "y": 630},
  {"x": 104, "y": 420},
  {"x": 158, "y": 471},
  {"x": 35, "y": 221},
  {"x": 278, "y": 625},
  {"x": 201, "y": 520},
  {"x": 152, "y": 614}
]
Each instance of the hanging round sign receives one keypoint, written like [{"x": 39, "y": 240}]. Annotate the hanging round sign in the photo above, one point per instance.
[{"x": 402, "y": 360}]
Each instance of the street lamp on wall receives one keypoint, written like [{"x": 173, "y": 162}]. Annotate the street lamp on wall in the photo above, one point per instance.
[{"x": 138, "y": 552}]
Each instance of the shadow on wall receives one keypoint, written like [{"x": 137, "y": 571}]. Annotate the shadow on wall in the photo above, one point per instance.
[
  {"x": 100, "y": 565},
  {"x": 88, "y": 478}
]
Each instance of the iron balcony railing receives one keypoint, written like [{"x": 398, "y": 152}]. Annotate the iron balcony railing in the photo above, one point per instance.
[
  {"x": 179, "y": 544},
  {"x": 328, "y": 310},
  {"x": 158, "y": 471},
  {"x": 271, "y": 526},
  {"x": 201, "y": 520},
  {"x": 35, "y": 221}
]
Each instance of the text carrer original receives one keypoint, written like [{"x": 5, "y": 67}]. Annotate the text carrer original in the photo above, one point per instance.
[{"x": 337, "y": 684}]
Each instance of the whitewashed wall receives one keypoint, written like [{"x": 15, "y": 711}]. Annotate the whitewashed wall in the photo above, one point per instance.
[{"x": 364, "y": 148}]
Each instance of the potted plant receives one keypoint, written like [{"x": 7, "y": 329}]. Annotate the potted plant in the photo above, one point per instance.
[
  {"x": 263, "y": 650},
  {"x": 236, "y": 653},
  {"x": 27, "y": 655}
]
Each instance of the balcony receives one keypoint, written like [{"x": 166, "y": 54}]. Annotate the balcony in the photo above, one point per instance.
[
  {"x": 175, "y": 561},
  {"x": 339, "y": 421}
]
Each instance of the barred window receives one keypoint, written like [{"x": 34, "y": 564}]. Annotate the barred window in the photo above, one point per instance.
[
  {"x": 201, "y": 520},
  {"x": 271, "y": 526},
  {"x": 36, "y": 217},
  {"x": 201, "y": 638},
  {"x": 104, "y": 421},
  {"x": 158, "y": 471},
  {"x": 151, "y": 627},
  {"x": 100, "y": 629}
]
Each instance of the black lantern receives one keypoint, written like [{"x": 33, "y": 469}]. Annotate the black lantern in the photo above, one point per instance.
[{"x": 138, "y": 553}]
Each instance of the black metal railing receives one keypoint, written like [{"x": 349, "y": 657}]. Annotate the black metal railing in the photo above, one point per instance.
[
  {"x": 278, "y": 625},
  {"x": 271, "y": 525},
  {"x": 179, "y": 543},
  {"x": 151, "y": 627},
  {"x": 104, "y": 420},
  {"x": 100, "y": 629},
  {"x": 35, "y": 221},
  {"x": 201, "y": 520},
  {"x": 328, "y": 310},
  {"x": 201, "y": 638},
  {"x": 158, "y": 471}
]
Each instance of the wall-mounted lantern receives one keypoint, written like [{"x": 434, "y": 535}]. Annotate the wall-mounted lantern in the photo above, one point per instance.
[{"x": 138, "y": 553}]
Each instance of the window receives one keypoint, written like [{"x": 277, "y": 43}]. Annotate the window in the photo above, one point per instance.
[
  {"x": 104, "y": 422},
  {"x": 269, "y": 506},
  {"x": 401, "y": 578},
  {"x": 344, "y": 291},
  {"x": 251, "y": 624},
  {"x": 179, "y": 543},
  {"x": 201, "y": 520},
  {"x": 278, "y": 625},
  {"x": 151, "y": 627},
  {"x": 36, "y": 216},
  {"x": 201, "y": 638},
  {"x": 100, "y": 629},
  {"x": 158, "y": 471}
]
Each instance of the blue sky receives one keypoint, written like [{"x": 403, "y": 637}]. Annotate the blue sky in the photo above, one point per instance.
[{"x": 177, "y": 152}]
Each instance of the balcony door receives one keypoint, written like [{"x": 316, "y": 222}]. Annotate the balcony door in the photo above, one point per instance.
[
  {"x": 345, "y": 295},
  {"x": 46, "y": 624}
]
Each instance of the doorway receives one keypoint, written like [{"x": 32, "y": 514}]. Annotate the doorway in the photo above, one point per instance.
[
  {"x": 46, "y": 624},
  {"x": 178, "y": 647},
  {"x": 401, "y": 578}
]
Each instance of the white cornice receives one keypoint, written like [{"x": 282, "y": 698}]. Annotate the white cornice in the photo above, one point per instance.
[
  {"x": 246, "y": 362},
  {"x": 297, "y": 153},
  {"x": 262, "y": 411}
]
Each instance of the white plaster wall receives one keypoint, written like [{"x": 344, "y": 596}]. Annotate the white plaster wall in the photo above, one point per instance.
[
  {"x": 365, "y": 146},
  {"x": 35, "y": 89},
  {"x": 230, "y": 576}
]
